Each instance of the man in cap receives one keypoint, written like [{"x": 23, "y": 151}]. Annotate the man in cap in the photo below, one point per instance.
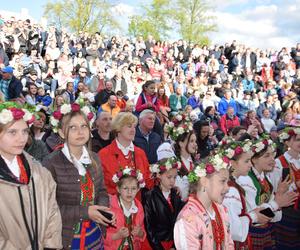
[{"x": 10, "y": 86}]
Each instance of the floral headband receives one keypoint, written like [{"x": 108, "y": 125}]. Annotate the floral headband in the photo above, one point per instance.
[
  {"x": 68, "y": 108},
  {"x": 129, "y": 172},
  {"x": 179, "y": 125},
  {"x": 214, "y": 164},
  {"x": 235, "y": 148},
  {"x": 288, "y": 132},
  {"x": 169, "y": 164},
  {"x": 10, "y": 111},
  {"x": 261, "y": 144}
]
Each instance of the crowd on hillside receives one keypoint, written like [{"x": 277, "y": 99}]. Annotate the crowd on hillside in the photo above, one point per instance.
[{"x": 149, "y": 144}]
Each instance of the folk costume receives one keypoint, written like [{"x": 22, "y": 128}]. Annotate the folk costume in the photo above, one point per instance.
[
  {"x": 288, "y": 229},
  {"x": 30, "y": 217},
  {"x": 79, "y": 185},
  {"x": 125, "y": 218},
  {"x": 161, "y": 210},
  {"x": 259, "y": 192},
  {"x": 115, "y": 156},
  {"x": 240, "y": 220},
  {"x": 196, "y": 228}
]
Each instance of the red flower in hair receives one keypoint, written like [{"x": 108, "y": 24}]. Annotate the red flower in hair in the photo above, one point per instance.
[
  {"x": 209, "y": 168},
  {"x": 90, "y": 116},
  {"x": 119, "y": 174},
  {"x": 17, "y": 113},
  {"x": 238, "y": 150},
  {"x": 291, "y": 132},
  {"x": 57, "y": 114},
  {"x": 75, "y": 107},
  {"x": 226, "y": 159},
  {"x": 31, "y": 120},
  {"x": 265, "y": 141},
  {"x": 133, "y": 173},
  {"x": 163, "y": 168}
]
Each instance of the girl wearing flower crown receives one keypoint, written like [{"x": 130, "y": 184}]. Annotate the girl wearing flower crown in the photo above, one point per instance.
[
  {"x": 259, "y": 192},
  {"x": 129, "y": 232},
  {"x": 240, "y": 155},
  {"x": 81, "y": 194},
  {"x": 203, "y": 222},
  {"x": 181, "y": 131},
  {"x": 162, "y": 203},
  {"x": 287, "y": 169},
  {"x": 30, "y": 217}
]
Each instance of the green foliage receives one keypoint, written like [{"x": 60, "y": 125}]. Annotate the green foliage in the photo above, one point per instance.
[
  {"x": 193, "y": 20},
  {"x": 82, "y": 15},
  {"x": 155, "y": 20}
]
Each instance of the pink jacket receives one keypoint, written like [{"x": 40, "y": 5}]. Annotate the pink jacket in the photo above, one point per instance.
[
  {"x": 110, "y": 244},
  {"x": 193, "y": 229}
]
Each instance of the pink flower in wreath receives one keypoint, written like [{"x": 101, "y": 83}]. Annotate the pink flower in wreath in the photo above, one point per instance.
[
  {"x": 17, "y": 113},
  {"x": 75, "y": 107},
  {"x": 57, "y": 114},
  {"x": 209, "y": 168},
  {"x": 238, "y": 150},
  {"x": 90, "y": 116}
]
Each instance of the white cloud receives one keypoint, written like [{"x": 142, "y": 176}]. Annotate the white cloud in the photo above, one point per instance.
[{"x": 262, "y": 26}]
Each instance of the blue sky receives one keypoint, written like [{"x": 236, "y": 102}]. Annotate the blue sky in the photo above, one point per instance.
[{"x": 259, "y": 23}]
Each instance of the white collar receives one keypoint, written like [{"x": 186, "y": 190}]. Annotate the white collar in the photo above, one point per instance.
[
  {"x": 13, "y": 166},
  {"x": 125, "y": 150},
  {"x": 295, "y": 161},
  {"x": 132, "y": 210},
  {"x": 79, "y": 164},
  {"x": 259, "y": 176},
  {"x": 187, "y": 162},
  {"x": 166, "y": 194}
]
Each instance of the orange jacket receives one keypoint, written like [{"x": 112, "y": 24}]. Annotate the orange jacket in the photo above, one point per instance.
[{"x": 107, "y": 108}]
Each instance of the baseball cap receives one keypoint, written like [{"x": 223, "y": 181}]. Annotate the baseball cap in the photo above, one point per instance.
[{"x": 8, "y": 69}]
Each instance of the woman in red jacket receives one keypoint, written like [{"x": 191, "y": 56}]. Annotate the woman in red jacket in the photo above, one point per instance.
[
  {"x": 121, "y": 152},
  {"x": 229, "y": 121}
]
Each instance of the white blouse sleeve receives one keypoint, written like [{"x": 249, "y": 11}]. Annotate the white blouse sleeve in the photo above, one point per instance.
[
  {"x": 239, "y": 225},
  {"x": 250, "y": 190}
]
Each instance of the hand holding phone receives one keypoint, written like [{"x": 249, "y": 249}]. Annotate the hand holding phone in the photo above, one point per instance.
[{"x": 267, "y": 212}]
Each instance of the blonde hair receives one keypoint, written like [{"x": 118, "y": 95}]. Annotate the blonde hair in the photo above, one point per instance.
[{"x": 122, "y": 119}]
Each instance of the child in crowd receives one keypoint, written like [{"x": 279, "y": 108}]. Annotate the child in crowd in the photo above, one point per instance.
[
  {"x": 129, "y": 232},
  {"x": 203, "y": 223},
  {"x": 43, "y": 100},
  {"x": 181, "y": 131},
  {"x": 240, "y": 155},
  {"x": 162, "y": 204},
  {"x": 259, "y": 192}
]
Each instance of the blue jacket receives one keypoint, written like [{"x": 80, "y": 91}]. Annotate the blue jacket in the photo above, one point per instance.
[
  {"x": 248, "y": 85},
  {"x": 224, "y": 104},
  {"x": 149, "y": 146},
  {"x": 46, "y": 100},
  {"x": 194, "y": 102}
]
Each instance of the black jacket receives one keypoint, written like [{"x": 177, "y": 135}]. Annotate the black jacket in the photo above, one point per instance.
[
  {"x": 14, "y": 88},
  {"x": 159, "y": 219}
]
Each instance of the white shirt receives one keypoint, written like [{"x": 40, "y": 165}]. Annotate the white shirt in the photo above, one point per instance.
[
  {"x": 276, "y": 175},
  {"x": 239, "y": 225},
  {"x": 125, "y": 150},
  {"x": 132, "y": 210},
  {"x": 13, "y": 166},
  {"x": 250, "y": 190},
  {"x": 84, "y": 159}
]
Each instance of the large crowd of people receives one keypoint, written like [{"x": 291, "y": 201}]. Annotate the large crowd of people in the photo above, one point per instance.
[{"x": 119, "y": 143}]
